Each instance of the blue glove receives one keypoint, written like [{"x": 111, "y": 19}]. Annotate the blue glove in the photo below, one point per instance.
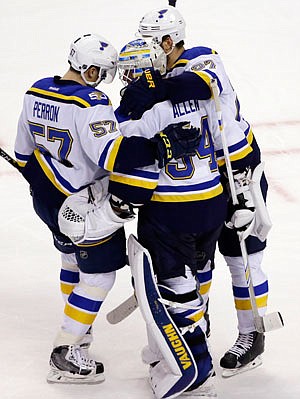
[
  {"x": 176, "y": 141},
  {"x": 142, "y": 94}
]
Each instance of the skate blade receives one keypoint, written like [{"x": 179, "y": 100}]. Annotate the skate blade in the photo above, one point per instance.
[
  {"x": 60, "y": 377},
  {"x": 227, "y": 373}
]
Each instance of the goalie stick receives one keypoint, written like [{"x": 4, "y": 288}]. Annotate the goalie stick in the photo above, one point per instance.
[
  {"x": 123, "y": 310},
  {"x": 9, "y": 159},
  {"x": 273, "y": 320}
]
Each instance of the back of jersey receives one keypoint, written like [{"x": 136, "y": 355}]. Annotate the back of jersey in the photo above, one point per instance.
[{"x": 66, "y": 125}]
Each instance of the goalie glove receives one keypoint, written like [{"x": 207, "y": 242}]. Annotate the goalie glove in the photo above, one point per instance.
[
  {"x": 243, "y": 218},
  {"x": 176, "y": 141},
  {"x": 89, "y": 215},
  {"x": 107, "y": 218},
  {"x": 143, "y": 93}
]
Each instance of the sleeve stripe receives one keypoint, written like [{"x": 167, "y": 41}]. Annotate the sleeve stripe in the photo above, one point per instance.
[
  {"x": 133, "y": 182},
  {"x": 113, "y": 154}
]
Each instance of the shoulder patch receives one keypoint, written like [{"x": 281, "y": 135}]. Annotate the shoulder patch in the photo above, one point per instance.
[{"x": 97, "y": 95}]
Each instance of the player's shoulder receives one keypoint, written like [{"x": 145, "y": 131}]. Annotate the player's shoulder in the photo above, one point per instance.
[
  {"x": 66, "y": 91},
  {"x": 92, "y": 96},
  {"x": 198, "y": 51},
  {"x": 192, "y": 55}
]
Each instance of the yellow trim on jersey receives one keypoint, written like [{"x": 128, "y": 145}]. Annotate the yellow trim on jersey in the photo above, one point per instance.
[
  {"x": 245, "y": 304},
  {"x": 48, "y": 172},
  {"x": 206, "y": 77},
  {"x": 113, "y": 154},
  {"x": 57, "y": 95},
  {"x": 188, "y": 197},
  {"x": 236, "y": 157},
  {"x": 96, "y": 243},
  {"x": 21, "y": 163},
  {"x": 133, "y": 182},
  {"x": 181, "y": 61},
  {"x": 79, "y": 315},
  {"x": 249, "y": 137},
  {"x": 66, "y": 288},
  {"x": 204, "y": 288}
]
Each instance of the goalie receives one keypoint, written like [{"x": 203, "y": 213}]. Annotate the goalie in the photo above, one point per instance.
[
  {"x": 189, "y": 74},
  {"x": 179, "y": 227}
]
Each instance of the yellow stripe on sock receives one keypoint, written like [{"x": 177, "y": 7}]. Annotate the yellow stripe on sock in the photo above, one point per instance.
[{"x": 78, "y": 315}]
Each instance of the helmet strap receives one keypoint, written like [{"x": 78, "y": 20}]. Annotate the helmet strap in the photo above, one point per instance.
[{"x": 171, "y": 50}]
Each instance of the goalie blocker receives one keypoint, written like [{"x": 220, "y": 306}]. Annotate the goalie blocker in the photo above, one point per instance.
[{"x": 177, "y": 371}]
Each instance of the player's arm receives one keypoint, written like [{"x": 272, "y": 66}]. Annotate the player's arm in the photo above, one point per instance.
[
  {"x": 24, "y": 143},
  {"x": 151, "y": 88},
  {"x": 127, "y": 153}
]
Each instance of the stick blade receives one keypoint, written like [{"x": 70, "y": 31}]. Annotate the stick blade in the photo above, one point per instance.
[
  {"x": 272, "y": 321},
  {"x": 122, "y": 311}
]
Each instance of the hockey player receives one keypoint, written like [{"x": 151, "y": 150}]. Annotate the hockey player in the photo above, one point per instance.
[
  {"x": 179, "y": 226},
  {"x": 67, "y": 139},
  {"x": 189, "y": 74}
]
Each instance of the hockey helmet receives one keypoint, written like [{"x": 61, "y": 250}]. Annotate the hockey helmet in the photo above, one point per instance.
[
  {"x": 94, "y": 50},
  {"x": 161, "y": 22},
  {"x": 138, "y": 55}
]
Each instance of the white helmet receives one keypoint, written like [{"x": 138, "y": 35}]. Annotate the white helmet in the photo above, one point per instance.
[
  {"x": 138, "y": 55},
  {"x": 92, "y": 49},
  {"x": 161, "y": 22}
]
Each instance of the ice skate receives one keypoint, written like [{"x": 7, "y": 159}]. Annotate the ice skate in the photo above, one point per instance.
[
  {"x": 205, "y": 391},
  {"x": 69, "y": 365},
  {"x": 244, "y": 355},
  {"x": 87, "y": 339}
]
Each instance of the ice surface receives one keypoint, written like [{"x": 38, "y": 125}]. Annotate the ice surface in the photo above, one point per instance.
[{"x": 259, "y": 44}]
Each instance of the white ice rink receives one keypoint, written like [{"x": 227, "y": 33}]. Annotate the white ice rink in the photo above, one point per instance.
[{"x": 259, "y": 42}]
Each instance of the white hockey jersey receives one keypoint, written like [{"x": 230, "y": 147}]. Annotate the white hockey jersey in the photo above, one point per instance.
[
  {"x": 186, "y": 190},
  {"x": 74, "y": 135},
  {"x": 207, "y": 64}
]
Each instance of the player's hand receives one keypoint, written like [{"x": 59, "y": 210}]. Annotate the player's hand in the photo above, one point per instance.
[
  {"x": 142, "y": 94},
  {"x": 243, "y": 217},
  {"x": 176, "y": 141}
]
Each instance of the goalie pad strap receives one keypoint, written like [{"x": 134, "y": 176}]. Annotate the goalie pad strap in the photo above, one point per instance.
[
  {"x": 180, "y": 298},
  {"x": 177, "y": 371}
]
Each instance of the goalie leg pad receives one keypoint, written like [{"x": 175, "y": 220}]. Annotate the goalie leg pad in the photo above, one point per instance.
[
  {"x": 187, "y": 311},
  {"x": 177, "y": 371}
]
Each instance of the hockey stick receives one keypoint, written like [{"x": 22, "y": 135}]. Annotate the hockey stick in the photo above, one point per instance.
[
  {"x": 273, "y": 320},
  {"x": 123, "y": 310},
  {"x": 9, "y": 159}
]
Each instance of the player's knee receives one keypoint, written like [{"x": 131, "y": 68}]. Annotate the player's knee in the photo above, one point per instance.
[{"x": 97, "y": 285}]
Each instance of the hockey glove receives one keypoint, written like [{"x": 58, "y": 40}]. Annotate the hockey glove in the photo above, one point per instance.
[
  {"x": 243, "y": 217},
  {"x": 143, "y": 93},
  {"x": 176, "y": 141},
  {"x": 86, "y": 222}
]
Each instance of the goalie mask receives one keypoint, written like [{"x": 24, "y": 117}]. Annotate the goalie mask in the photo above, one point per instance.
[
  {"x": 163, "y": 22},
  {"x": 138, "y": 55},
  {"x": 93, "y": 50}
]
